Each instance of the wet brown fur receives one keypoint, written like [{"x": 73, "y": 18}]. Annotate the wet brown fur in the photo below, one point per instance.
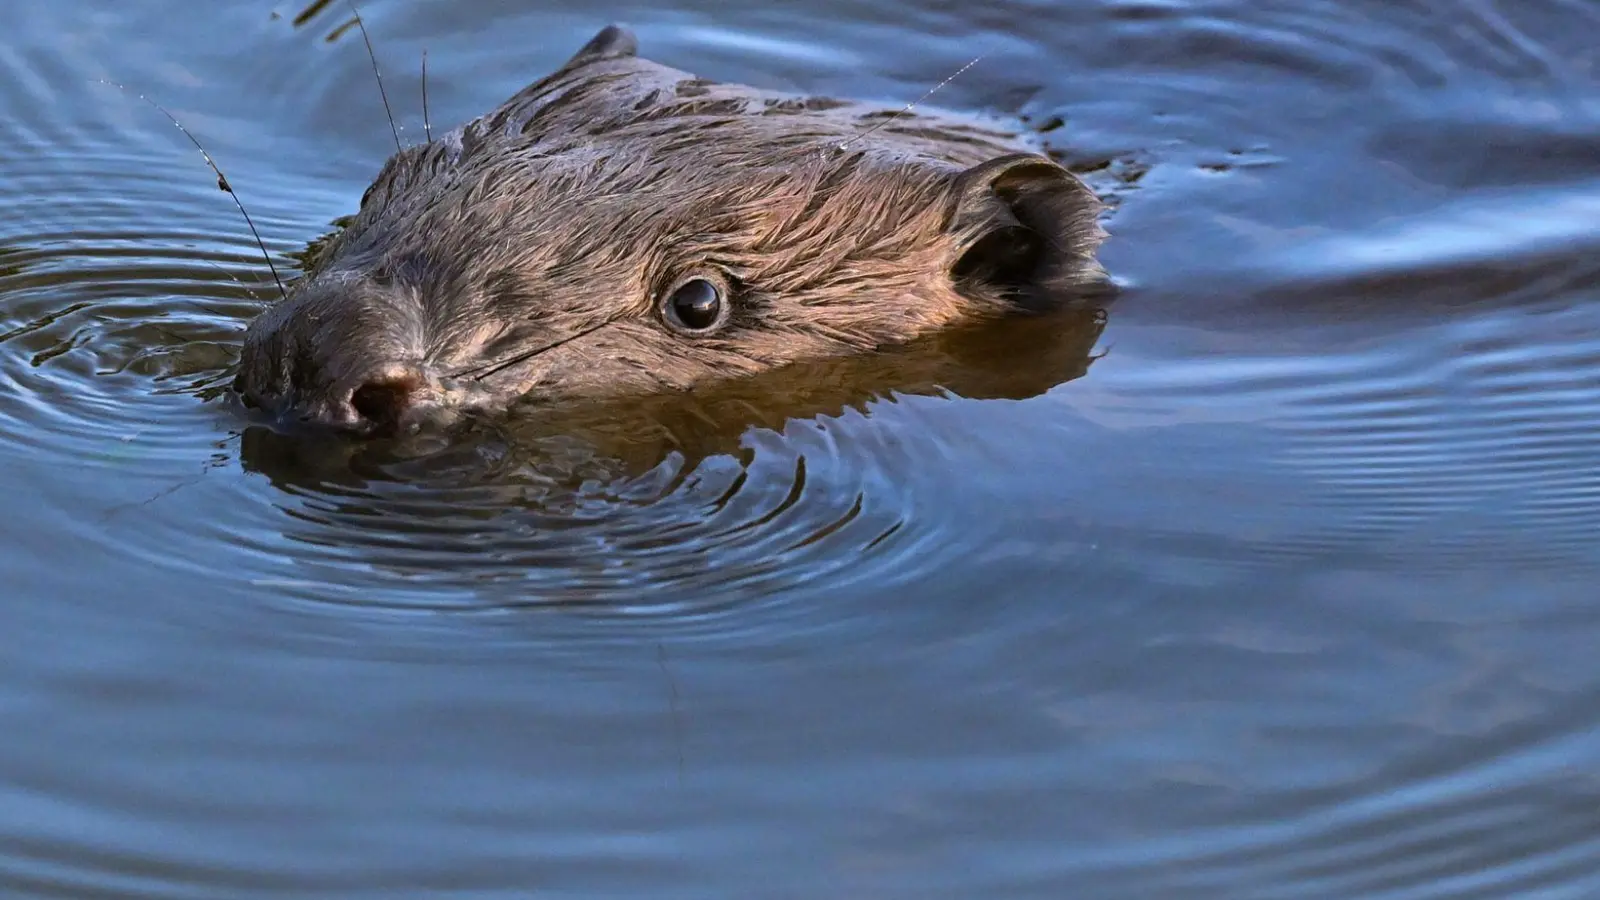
[{"x": 526, "y": 254}]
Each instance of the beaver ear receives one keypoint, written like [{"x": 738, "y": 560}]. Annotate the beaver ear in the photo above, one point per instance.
[
  {"x": 613, "y": 41},
  {"x": 1024, "y": 226}
]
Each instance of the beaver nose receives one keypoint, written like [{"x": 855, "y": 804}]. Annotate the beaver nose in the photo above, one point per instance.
[
  {"x": 383, "y": 398},
  {"x": 378, "y": 399}
]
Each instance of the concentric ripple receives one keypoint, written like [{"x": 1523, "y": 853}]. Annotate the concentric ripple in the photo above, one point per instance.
[{"x": 682, "y": 543}]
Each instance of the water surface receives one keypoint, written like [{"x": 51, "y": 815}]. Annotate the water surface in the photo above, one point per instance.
[{"x": 1276, "y": 580}]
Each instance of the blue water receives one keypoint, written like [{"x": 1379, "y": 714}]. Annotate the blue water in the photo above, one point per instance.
[{"x": 1281, "y": 585}]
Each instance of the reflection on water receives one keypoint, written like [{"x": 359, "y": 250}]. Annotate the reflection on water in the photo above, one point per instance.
[{"x": 1273, "y": 579}]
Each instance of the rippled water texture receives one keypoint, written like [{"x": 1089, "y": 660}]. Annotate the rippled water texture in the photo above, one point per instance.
[{"x": 1276, "y": 579}]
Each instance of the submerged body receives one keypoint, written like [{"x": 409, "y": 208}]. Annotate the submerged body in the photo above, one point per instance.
[{"x": 624, "y": 227}]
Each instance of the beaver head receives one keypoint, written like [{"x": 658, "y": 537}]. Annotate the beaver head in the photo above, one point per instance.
[{"x": 621, "y": 226}]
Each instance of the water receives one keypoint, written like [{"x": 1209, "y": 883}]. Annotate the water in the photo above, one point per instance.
[{"x": 1278, "y": 582}]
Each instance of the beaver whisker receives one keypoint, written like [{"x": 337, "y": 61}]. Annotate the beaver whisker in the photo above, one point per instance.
[
  {"x": 909, "y": 106},
  {"x": 427, "y": 124},
  {"x": 237, "y": 280},
  {"x": 491, "y": 368},
  {"x": 372, "y": 55},
  {"x": 222, "y": 180}
]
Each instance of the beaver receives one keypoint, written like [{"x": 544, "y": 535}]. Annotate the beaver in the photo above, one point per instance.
[{"x": 625, "y": 227}]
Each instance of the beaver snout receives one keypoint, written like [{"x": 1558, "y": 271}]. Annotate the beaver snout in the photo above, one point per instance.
[{"x": 349, "y": 360}]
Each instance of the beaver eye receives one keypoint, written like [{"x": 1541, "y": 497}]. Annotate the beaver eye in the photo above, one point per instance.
[{"x": 695, "y": 305}]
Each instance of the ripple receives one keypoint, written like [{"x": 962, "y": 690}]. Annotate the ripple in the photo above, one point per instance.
[
  {"x": 708, "y": 549},
  {"x": 1443, "y": 444},
  {"x": 680, "y": 515},
  {"x": 1356, "y": 44},
  {"x": 124, "y": 276},
  {"x": 1427, "y": 825}
]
